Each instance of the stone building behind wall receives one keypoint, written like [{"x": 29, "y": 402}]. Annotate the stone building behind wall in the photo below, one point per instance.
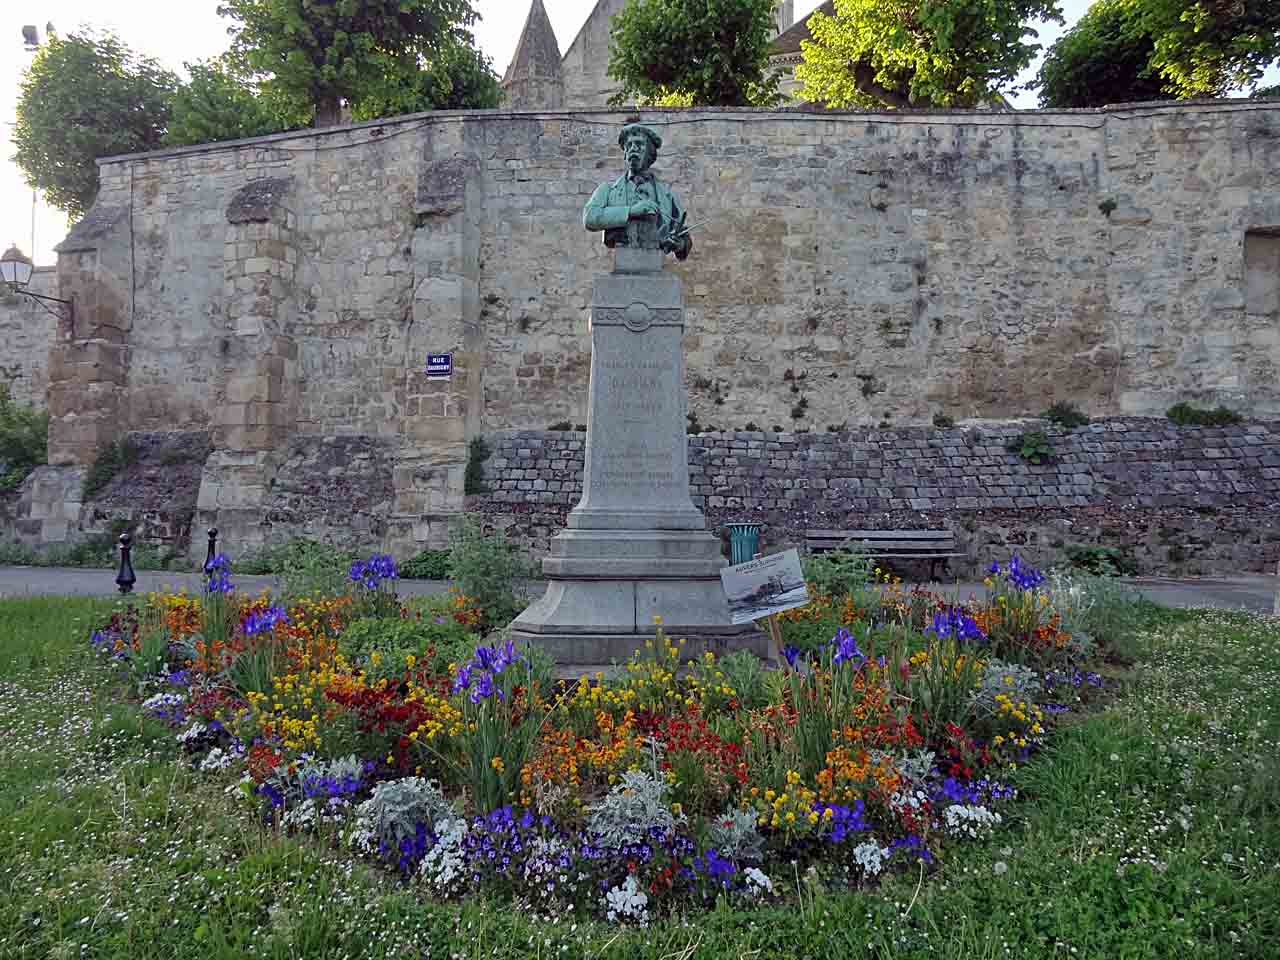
[
  {"x": 280, "y": 295},
  {"x": 539, "y": 79}
]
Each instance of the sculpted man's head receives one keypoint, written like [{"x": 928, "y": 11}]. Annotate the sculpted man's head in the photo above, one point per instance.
[{"x": 639, "y": 146}]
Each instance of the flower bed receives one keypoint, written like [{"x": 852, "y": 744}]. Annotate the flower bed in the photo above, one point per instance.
[{"x": 885, "y": 739}]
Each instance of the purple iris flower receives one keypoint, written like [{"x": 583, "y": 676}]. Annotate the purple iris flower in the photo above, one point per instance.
[{"x": 846, "y": 648}]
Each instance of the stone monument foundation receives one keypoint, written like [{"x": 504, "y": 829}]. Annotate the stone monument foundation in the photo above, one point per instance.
[{"x": 635, "y": 546}]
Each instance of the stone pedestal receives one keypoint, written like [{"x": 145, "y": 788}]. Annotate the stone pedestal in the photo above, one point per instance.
[{"x": 635, "y": 546}]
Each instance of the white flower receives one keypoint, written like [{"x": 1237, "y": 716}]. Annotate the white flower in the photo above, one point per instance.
[
  {"x": 627, "y": 902},
  {"x": 969, "y": 820},
  {"x": 870, "y": 857},
  {"x": 192, "y": 732},
  {"x": 1001, "y": 867},
  {"x": 216, "y": 760},
  {"x": 758, "y": 883},
  {"x": 442, "y": 867}
]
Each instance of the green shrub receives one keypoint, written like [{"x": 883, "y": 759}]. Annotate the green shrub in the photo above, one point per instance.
[
  {"x": 1066, "y": 414},
  {"x": 487, "y": 569},
  {"x": 1033, "y": 446},
  {"x": 427, "y": 565},
  {"x": 436, "y": 640},
  {"x": 477, "y": 454},
  {"x": 1185, "y": 415},
  {"x": 837, "y": 572},
  {"x": 1100, "y": 561},
  {"x": 305, "y": 567},
  {"x": 24, "y": 439},
  {"x": 942, "y": 421},
  {"x": 15, "y": 554},
  {"x": 1101, "y": 610},
  {"x": 111, "y": 460}
]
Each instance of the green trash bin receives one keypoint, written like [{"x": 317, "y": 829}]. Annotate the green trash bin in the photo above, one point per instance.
[{"x": 744, "y": 541}]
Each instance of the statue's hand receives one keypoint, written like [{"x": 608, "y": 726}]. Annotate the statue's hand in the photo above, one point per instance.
[{"x": 643, "y": 209}]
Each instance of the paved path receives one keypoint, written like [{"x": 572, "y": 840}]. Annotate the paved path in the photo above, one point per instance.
[{"x": 1250, "y": 592}]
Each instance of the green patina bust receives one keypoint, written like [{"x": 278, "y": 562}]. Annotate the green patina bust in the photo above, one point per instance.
[{"x": 639, "y": 210}]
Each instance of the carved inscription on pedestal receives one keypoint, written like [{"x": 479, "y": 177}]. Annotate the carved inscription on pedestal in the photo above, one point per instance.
[{"x": 635, "y": 395}]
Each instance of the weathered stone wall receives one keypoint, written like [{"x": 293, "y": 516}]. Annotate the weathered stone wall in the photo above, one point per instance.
[
  {"x": 26, "y": 331},
  {"x": 854, "y": 269},
  {"x": 1171, "y": 497}
]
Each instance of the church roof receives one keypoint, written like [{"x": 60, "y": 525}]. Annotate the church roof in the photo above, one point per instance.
[
  {"x": 538, "y": 53},
  {"x": 788, "y": 42}
]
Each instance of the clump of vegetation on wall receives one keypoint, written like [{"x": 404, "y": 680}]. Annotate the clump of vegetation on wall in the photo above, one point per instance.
[
  {"x": 1066, "y": 414},
  {"x": 24, "y": 439},
  {"x": 112, "y": 458},
  {"x": 1185, "y": 415},
  {"x": 1100, "y": 561},
  {"x": 426, "y": 565},
  {"x": 1032, "y": 446},
  {"x": 477, "y": 454}
]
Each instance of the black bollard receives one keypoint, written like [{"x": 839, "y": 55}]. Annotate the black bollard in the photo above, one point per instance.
[
  {"x": 126, "y": 579},
  {"x": 213, "y": 548}
]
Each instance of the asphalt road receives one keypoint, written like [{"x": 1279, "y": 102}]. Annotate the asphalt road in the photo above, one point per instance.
[{"x": 1255, "y": 592}]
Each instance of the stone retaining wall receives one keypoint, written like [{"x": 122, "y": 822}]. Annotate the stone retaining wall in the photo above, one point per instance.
[{"x": 1174, "y": 498}]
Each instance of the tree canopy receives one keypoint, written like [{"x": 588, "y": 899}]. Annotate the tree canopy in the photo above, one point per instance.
[
  {"x": 86, "y": 96},
  {"x": 1213, "y": 46},
  {"x": 217, "y": 104},
  {"x": 1126, "y": 50},
  {"x": 328, "y": 52},
  {"x": 896, "y": 53},
  {"x": 457, "y": 76},
  {"x": 1104, "y": 58},
  {"x": 694, "y": 52}
]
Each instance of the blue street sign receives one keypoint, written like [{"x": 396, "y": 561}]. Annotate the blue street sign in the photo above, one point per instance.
[{"x": 439, "y": 366}]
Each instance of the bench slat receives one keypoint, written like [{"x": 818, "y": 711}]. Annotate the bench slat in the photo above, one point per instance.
[
  {"x": 910, "y": 556},
  {"x": 904, "y": 542},
  {"x": 880, "y": 547},
  {"x": 881, "y": 534}
]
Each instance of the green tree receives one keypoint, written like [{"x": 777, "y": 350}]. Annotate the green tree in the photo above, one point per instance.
[
  {"x": 457, "y": 76},
  {"x": 328, "y": 51},
  {"x": 1105, "y": 58},
  {"x": 84, "y": 97},
  {"x": 896, "y": 53},
  {"x": 216, "y": 104},
  {"x": 1210, "y": 47},
  {"x": 694, "y": 52}
]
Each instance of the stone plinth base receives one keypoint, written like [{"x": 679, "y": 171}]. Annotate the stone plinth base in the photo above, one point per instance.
[
  {"x": 606, "y": 620},
  {"x": 635, "y": 547}
]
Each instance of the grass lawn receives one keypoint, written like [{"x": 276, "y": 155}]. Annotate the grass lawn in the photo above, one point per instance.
[{"x": 1149, "y": 829}]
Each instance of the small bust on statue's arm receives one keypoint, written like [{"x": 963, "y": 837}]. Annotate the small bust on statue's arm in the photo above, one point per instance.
[{"x": 639, "y": 210}]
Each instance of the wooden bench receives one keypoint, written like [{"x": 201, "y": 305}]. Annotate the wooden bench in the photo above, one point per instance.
[{"x": 936, "y": 546}]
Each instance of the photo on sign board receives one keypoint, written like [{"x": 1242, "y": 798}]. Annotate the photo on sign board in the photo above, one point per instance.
[{"x": 763, "y": 586}]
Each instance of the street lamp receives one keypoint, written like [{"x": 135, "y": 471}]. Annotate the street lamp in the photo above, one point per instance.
[{"x": 15, "y": 271}]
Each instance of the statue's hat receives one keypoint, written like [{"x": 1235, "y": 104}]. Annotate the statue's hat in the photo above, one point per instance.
[{"x": 649, "y": 132}]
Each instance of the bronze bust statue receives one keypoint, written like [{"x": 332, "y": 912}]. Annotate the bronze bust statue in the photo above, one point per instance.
[{"x": 638, "y": 209}]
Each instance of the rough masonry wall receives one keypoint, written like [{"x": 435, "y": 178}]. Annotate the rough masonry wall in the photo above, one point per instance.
[
  {"x": 1167, "y": 496},
  {"x": 26, "y": 330},
  {"x": 851, "y": 269}
]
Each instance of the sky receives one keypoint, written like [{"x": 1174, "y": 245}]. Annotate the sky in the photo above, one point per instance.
[{"x": 182, "y": 31}]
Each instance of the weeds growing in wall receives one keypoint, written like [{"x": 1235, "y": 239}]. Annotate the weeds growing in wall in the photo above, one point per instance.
[
  {"x": 1066, "y": 414},
  {"x": 1185, "y": 415},
  {"x": 112, "y": 458},
  {"x": 24, "y": 439},
  {"x": 477, "y": 453}
]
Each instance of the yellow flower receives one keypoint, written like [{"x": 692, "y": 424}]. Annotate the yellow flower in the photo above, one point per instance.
[
  {"x": 657, "y": 620},
  {"x": 497, "y": 764}
]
